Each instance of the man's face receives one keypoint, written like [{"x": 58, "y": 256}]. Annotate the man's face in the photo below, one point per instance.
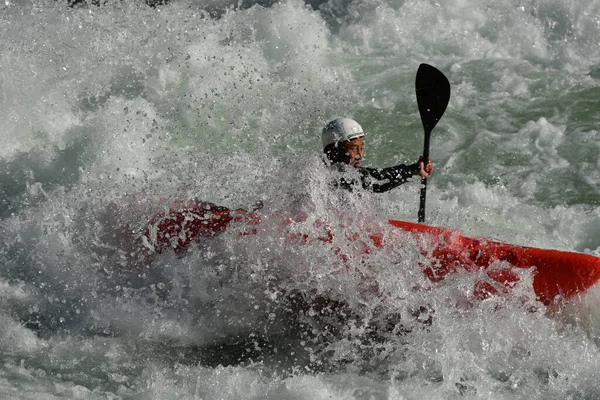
[{"x": 353, "y": 151}]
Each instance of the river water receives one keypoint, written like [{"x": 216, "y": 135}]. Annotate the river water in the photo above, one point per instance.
[{"x": 109, "y": 113}]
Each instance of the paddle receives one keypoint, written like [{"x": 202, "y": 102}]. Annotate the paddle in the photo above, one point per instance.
[{"x": 433, "y": 94}]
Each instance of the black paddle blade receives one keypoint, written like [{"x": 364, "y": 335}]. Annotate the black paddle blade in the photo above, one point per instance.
[{"x": 433, "y": 94}]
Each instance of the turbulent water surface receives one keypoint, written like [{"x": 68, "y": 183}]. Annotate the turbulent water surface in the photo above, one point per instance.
[{"x": 109, "y": 113}]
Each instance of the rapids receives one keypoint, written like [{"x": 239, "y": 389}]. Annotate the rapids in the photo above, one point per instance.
[{"x": 109, "y": 113}]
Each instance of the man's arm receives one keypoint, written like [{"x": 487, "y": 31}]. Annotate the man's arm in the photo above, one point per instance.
[{"x": 394, "y": 176}]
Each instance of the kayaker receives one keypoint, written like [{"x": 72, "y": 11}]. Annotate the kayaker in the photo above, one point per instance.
[{"x": 343, "y": 146}]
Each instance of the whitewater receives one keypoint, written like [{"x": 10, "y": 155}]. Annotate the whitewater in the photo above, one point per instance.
[{"x": 111, "y": 112}]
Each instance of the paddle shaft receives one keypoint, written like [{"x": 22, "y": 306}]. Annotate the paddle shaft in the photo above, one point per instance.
[{"x": 423, "y": 194}]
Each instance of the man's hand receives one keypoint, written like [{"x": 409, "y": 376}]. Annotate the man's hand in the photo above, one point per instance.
[{"x": 425, "y": 170}]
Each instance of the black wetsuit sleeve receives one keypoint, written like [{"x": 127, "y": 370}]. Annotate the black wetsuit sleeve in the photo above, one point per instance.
[{"x": 379, "y": 180}]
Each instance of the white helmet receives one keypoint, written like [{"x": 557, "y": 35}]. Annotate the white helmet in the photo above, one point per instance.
[{"x": 341, "y": 130}]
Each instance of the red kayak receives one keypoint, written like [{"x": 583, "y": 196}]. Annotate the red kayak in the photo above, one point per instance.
[{"x": 557, "y": 275}]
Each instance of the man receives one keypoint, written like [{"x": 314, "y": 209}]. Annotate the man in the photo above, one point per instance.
[{"x": 343, "y": 145}]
